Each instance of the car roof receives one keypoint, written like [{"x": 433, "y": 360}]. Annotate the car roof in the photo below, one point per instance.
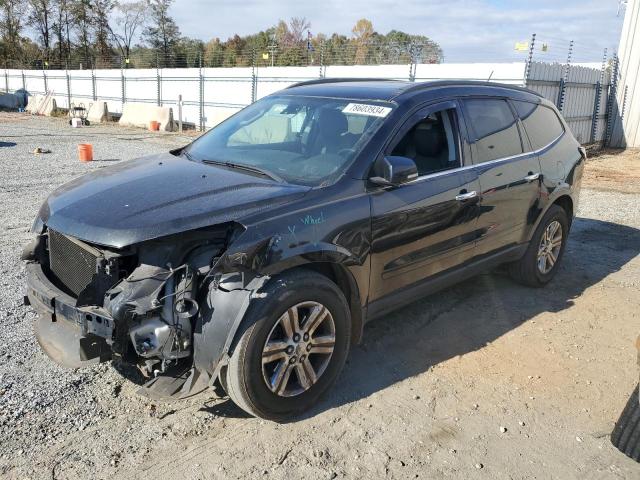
[{"x": 389, "y": 90}]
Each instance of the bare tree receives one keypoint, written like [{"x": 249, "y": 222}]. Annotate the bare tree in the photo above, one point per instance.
[
  {"x": 62, "y": 28},
  {"x": 162, "y": 32},
  {"x": 297, "y": 28},
  {"x": 11, "y": 13},
  {"x": 40, "y": 18},
  {"x": 82, "y": 20},
  {"x": 129, "y": 17},
  {"x": 100, "y": 12}
]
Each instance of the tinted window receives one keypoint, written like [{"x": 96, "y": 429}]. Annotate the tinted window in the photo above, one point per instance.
[
  {"x": 432, "y": 143},
  {"x": 541, "y": 123},
  {"x": 495, "y": 128}
]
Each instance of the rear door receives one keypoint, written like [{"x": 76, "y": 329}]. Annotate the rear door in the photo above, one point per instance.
[
  {"x": 509, "y": 173},
  {"x": 427, "y": 226}
]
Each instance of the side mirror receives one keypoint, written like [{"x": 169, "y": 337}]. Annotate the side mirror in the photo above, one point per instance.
[{"x": 394, "y": 171}]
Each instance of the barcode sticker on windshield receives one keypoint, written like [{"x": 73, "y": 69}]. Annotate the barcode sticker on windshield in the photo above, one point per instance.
[{"x": 367, "y": 109}]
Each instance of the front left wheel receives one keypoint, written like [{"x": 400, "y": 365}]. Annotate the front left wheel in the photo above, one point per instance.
[{"x": 294, "y": 348}]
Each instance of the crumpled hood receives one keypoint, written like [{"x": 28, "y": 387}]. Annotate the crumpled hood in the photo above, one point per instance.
[{"x": 158, "y": 195}]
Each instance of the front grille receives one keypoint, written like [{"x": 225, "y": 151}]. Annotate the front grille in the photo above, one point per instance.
[{"x": 71, "y": 263}]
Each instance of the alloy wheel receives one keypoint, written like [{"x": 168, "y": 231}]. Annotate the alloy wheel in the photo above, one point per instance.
[
  {"x": 298, "y": 349},
  {"x": 550, "y": 245}
]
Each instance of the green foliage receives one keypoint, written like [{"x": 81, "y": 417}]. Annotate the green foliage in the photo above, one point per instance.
[{"x": 100, "y": 33}]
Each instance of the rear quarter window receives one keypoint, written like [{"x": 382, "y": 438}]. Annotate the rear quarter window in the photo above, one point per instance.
[
  {"x": 495, "y": 128},
  {"x": 541, "y": 123}
]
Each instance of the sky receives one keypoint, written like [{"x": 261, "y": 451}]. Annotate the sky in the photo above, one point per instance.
[{"x": 467, "y": 30}]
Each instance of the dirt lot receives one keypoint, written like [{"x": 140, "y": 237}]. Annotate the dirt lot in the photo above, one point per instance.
[{"x": 484, "y": 380}]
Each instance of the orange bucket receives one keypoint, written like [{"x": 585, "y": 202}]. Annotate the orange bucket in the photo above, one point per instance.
[
  {"x": 85, "y": 152},
  {"x": 154, "y": 125}
]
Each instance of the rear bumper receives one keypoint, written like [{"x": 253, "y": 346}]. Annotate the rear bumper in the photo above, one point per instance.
[{"x": 71, "y": 336}]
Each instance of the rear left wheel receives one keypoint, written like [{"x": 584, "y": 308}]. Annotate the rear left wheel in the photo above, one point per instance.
[{"x": 294, "y": 349}]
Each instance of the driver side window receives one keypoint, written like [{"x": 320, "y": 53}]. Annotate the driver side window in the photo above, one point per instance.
[{"x": 432, "y": 143}]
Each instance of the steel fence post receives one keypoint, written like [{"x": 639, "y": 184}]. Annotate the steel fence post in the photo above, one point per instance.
[
  {"x": 565, "y": 79},
  {"x": 624, "y": 102},
  {"x": 321, "y": 75},
  {"x": 611, "y": 98},
  {"x": 6, "y": 79},
  {"x": 94, "y": 85},
  {"x": 66, "y": 73},
  {"x": 254, "y": 76},
  {"x": 527, "y": 69},
  {"x": 158, "y": 85},
  {"x": 598, "y": 100},
  {"x": 596, "y": 110},
  {"x": 24, "y": 82},
  {"x": 123, "y": 85},
  {"x": 201, "y": 97},
  {"x": 180, "y": 113},
  {"x": 44, "y": 77}
]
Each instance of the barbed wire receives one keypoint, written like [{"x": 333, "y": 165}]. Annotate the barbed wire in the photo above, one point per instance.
[
  {"x": 549, "y": 49},
  {"x": 293, "y": 55}
]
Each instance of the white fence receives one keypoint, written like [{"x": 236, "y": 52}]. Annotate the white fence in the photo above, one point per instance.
[
  {"x": 215, "y": 93},
  {"x": 210, "y": 95}
]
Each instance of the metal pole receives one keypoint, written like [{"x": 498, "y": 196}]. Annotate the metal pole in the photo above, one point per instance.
[
  {"x": 254, "y": 76},
  {"x": 624, "y": 102},
  {"x": 6, "y": 79},
  {"x": 611, "y": 100},
  {"x": 24, "y": 83},
  {"x": 201, "y": 99},
  {"x": 321, "y": 75},
  {"x": 44, "y": 76},
  {"x": 180, "y": 113},
  {"x": 66, "y": 72},
  {"x": 565, "y": 79},
  {"x": 158, "y": 84},
  {"x": 527, "y": 70},
  {"x": 94, "y": 86},
  {"x": 123, "y": 85},
  {"x": 597, "y": 101}
]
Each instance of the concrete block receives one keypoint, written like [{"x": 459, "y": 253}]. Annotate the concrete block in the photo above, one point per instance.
[
  {"x": 97, "y": 110},
  {"x": 140, "y": 114},
  {"x": 41, "y": 105}
]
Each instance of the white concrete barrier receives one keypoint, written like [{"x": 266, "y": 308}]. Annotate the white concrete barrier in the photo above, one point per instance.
[
  {"x": 141, "y": 114},
  {"x": 41, "y": 105},
  {"x": 97, "y": 110}
]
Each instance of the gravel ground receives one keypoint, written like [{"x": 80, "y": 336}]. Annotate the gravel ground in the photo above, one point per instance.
[{"x": 486, "y": 380}]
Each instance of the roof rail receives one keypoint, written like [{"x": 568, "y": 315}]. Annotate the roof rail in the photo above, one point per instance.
[
  {"x": 319, "y": 81},
  {"x": 481, "y": 83}
]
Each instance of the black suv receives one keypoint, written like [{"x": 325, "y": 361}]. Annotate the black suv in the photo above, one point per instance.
[{"x": 250, "y": 259}]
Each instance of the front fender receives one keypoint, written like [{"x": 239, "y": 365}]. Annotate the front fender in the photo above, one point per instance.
[{"x": 336, "y": 234}]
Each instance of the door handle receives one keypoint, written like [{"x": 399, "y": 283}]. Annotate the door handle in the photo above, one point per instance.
[
  {"x": 532, "y": 177},
  {"x": 463, "y": 197}
]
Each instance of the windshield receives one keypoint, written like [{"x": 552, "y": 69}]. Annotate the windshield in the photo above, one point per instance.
[{"x": 302, "y": 140}]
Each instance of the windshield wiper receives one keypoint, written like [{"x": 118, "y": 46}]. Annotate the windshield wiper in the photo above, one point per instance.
[{"x": 248, "y": 168}]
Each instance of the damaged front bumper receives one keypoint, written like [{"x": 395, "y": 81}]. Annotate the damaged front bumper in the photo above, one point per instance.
[{"x": 71, "y": 336}]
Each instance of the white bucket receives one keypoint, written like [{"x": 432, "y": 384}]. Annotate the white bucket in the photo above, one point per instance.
[{"x": 76, "y": 122}]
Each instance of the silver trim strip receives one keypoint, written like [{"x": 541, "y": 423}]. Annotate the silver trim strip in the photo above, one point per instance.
[{"x": 490, "y": 162}]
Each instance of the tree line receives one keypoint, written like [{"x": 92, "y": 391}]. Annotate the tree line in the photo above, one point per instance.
[{"x": 142, "y": 34}]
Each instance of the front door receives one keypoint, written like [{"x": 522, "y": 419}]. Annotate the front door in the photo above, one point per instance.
[{"x": 428, "y": 225}]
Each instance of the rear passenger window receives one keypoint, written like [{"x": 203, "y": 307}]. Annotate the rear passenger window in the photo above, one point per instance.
[
  {"x": 495, "y": 128},
  {"x": 541, "y": 123}
]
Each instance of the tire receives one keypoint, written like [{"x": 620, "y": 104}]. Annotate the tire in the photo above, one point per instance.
[
  {"x": 527, "y": 270},
  {"x": 255, "y": 387},
  {"x": 626, "y": 434}
]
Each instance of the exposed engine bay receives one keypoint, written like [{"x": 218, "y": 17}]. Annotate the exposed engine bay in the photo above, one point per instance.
[{"x": 138, "y": 305}]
